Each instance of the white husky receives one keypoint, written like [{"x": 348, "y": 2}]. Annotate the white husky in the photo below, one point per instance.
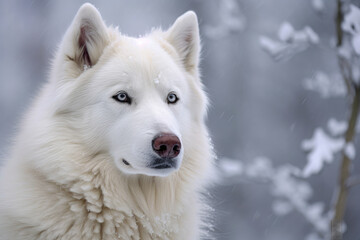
[{"x": 115, "y": 145}]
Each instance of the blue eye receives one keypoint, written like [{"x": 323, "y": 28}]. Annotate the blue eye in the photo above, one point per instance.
[
  {"x": 172, "y": 98},
  {"x": 122, "y": 97}
]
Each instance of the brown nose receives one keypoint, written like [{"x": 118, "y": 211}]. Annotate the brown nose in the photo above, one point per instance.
[{"x": 166, "y": 145}]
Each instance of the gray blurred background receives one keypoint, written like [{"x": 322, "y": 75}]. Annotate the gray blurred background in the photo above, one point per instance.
[{"x": 259, "y": 107}]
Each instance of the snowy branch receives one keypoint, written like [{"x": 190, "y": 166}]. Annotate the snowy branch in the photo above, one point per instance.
[
  {"x": 350, "y": 23},
  {"x": 231, "y": 19},
  {"x": 321, "y": 149},
  {"x": 325, "y": 85},
  {"x": 290, "y": 192},
  {"x": 318, "y": 5},
  {"x": 290, "y": 42}
]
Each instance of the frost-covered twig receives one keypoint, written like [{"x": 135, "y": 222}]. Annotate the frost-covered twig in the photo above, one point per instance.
[
  {"x": 345, "y": 70},
  {"x": 318, "y": 5},
  {"x": 321, "y": 148},
  {"x": 231, "y": 19},
  {"x": 290, "y": 42},
  {"x": 340, "y": 204},
  {"x": 338, "y": 21},
  {"x": 343, "y": 187},
  {"x": 290, "y": 191},
  {"x": 327, "y": 86}
]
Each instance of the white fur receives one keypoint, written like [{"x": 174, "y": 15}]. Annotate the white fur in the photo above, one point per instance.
[{"x": 65, "y": 178}]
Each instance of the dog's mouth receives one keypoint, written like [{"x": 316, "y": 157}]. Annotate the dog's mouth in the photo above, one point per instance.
[
  {"x": 158, "y": 163},
  {"x": 163, "y": 163},
  {"x": 162, "y": 166},
  {"x": 156, "y": 167},
  {"x": 126, "y": 162}
]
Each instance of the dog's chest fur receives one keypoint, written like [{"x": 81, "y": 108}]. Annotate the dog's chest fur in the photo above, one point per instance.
[{"x": 92, "y": 213}]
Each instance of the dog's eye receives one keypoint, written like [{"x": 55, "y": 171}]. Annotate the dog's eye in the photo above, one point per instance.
[
  {"x": 122, "y": 97},
  {"x": 172, "y": 98}
]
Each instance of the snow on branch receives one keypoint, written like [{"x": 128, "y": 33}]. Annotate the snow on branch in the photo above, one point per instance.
[
  {"x": 231, "y": 167},
  {"x": 337, "y": 128},
  {"x": 351, "y": 25},
  {"x": 318, "y": 5},
  {"x": 290, "y": 192},
  {"x": 326, "y": 86},
  {"x": 290, "y": 42},
  {"x": 298, "y": 192},
  {"x": 349, "y": 51},
  {"x": 321, "y": 148},
  {"x": 231, "y": 19},
  {"x": 350, "y": 151}
]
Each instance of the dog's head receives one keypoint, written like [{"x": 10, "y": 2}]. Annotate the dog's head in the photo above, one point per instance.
[{"x": 140, "y": 99}]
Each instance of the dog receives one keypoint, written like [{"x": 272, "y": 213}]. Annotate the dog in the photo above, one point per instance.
[{"x": 115, "y": 145}]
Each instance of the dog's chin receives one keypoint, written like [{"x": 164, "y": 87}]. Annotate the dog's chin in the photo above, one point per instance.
[
  {"x": 154, "y": 170},
  {"x": 158, "y": 172},
  {"x": 150, "y": 172}
]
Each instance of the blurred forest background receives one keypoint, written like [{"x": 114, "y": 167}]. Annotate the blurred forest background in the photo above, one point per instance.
[{"x": 259, "y": 107}]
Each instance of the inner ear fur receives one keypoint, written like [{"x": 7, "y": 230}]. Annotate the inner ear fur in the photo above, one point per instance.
[
  {"x": 87, "y": 37},
  {"x": 184, "y": 36}
]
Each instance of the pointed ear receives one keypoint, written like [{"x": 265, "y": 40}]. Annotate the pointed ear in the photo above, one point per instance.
[
  {"x": 184, "y": 36},
  {"x": 86, "y": 38}
]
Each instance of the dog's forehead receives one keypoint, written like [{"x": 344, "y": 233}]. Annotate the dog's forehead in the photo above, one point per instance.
[
  {"x": 145, "y": 53},
  {"x": 142, "y": 60}
]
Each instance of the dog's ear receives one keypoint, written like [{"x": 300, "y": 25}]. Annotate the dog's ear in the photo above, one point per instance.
[
  {"x": 184, "y": 36},
  {"x": 86, "y": 38}
]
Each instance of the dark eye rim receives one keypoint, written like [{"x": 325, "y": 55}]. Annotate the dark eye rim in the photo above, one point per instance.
[
  {"x": 128, "y": 99},
  {"x": 176, "y": 98}
]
